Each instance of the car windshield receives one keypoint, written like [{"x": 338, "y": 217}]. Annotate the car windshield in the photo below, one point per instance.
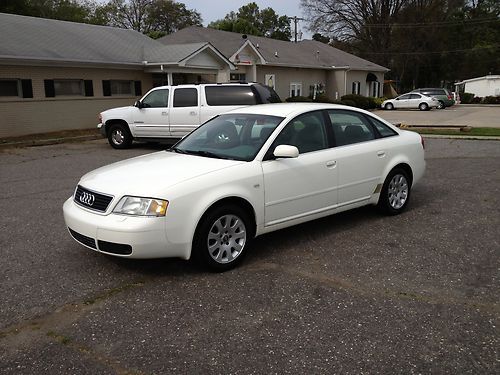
[{"x": 230, "y": 136}]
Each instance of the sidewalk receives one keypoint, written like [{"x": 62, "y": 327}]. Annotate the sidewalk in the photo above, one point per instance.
[{"x": 44, "y": 139}]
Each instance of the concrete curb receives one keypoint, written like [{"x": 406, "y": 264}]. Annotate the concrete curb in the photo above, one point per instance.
[
  {"x": 50, "y": 141},
  {"x": 467, "y": 137}
]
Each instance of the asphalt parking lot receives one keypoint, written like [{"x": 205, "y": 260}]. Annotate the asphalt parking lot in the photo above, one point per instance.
[
  {"x": 477, "y": 116},
  {"x": 353, "y": 293}
]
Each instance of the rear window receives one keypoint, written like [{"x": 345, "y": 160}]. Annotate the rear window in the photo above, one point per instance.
[
  {"x": 267, "y": 94},
  {"x": 229, "y": 95}
]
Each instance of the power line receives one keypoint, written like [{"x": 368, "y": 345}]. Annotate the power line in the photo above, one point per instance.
[
  {"x": 494, "y": 46},
  {"x": 477, "y": 21}
]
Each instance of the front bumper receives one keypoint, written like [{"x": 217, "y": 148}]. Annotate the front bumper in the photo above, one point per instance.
[
  {"x": 102, "y": 129},
  {"x": 132, "y": 237}
]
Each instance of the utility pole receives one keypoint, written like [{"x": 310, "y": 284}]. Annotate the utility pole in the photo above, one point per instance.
[{"x": 295, "y": 21}]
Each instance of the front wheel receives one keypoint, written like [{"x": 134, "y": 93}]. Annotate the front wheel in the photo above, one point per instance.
[
  {"x": 389, "y": 106},
  {"x": 222, "y": 238},
  {"x": 119, "y": 136},
  {"x": 440, "y": 105},
  {"x": 423, "y": 106},
  {"x": 395, "y": 193}
]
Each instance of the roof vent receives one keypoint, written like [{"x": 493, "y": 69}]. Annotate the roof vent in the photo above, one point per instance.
[
  {"x": 257, "y": 45},
  {"x": 276, "y": 54},
  {"x": 244, "y": 36}
]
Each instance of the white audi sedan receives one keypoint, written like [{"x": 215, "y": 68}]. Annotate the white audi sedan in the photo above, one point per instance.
[
  {"x": 411, "y": 100},
  {"x": 242, "y": 174}
]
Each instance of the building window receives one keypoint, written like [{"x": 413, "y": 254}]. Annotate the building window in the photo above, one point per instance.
[
  {"x": 238, "y": 77},
  {"x": 122, "y": 87},
  {"x": 295, "y": 89},
  {"x": 68, "y": 87},
  {"x": 356, "y": 87},
  {"x": 376, "y": 89},
  {"x": 9, "y": 87}
]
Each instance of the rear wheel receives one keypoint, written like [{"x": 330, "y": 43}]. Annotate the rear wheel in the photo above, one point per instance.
[
  {"x": 222, "y": 238},
  {"x": 395, "y": 193},
  {"x": 389, "y": 106},
  {"x": 423, "y": 106},
  {"x": 119, "y": 136}
]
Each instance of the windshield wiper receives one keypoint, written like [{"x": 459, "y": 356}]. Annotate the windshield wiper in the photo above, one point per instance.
[
  {"x": 207, "y": 154},
  {"x": 178, "y": 150}
]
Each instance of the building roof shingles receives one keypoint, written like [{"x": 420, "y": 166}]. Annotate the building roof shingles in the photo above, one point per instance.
[{"x": 307, "y": 53}]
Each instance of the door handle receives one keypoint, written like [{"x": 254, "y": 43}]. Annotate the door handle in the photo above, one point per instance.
[
  {"x": 331, "y": 164},
  {"x": 192, "y": 113},
  {"x": 164, "y": 113},
  {"x": 381, "y": 154}
]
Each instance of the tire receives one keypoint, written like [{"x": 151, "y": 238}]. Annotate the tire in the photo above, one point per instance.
[
  {"x": 395, "y": 193},
  {"x": 389, "y": 106},
  {"x": 441, "y": 105},
  {"x": 222, "y": 238},
  {"x": 423, "y": 106},
  {"x": 119, "y": 136}
]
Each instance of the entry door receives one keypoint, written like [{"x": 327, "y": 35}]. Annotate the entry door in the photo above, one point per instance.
[
  {"x": 152, "y": 119},
  {"x": 302, "y": 186},
  {"x": 185, "y": 111},
  {"x": 360, "y": 156}
]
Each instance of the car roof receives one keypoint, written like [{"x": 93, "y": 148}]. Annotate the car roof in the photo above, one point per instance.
[
  {"x": 289, "y": 109},
  {"x": 209, "y": 84}
]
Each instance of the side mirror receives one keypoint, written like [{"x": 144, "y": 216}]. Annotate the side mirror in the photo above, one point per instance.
[
  {"x": 286, "y": 151},
  {"x": 138, "y": 104}
]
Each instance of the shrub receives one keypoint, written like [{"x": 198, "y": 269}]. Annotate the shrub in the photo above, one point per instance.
[
  {"x": 296, "y": 99},
  {"x": 348, "y": 102},
  {"x": 491, "y": 100},
  {"x": 359, "y": 100},
  {"x": 476, "y": 100},
  {"x": 322, "y": 98},
  {"x": 466, "y": 98}
]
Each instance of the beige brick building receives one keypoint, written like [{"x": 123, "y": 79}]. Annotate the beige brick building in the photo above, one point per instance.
[{"x": 57, "y": 75}]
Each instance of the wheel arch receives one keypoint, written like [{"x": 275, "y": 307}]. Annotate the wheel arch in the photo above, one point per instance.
[
  {"x": 109, "y": 123},
  {"x": 232, "y": 200},
  {"x": 398, "y": 163}
]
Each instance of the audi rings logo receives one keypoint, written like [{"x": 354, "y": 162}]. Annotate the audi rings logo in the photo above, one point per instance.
[{"x": 87, "y": 198}]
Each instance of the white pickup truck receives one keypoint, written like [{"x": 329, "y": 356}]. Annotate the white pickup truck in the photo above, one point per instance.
[{"x": 174, "y": 111}]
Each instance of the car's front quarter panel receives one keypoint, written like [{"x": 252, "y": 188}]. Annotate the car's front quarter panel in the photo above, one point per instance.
[{"x": 189, "y": 201}]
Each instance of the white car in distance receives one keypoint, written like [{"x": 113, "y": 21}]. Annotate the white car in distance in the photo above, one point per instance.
[
  {"x": 242, "y": 174},
  {"x": 411, "y": 101}
]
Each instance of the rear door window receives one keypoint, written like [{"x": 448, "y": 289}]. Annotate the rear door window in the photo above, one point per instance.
[
  {"x": 350, "y": 127},
  {"x": 186, "y": 97},
  {"x": 229, "y": 95}
]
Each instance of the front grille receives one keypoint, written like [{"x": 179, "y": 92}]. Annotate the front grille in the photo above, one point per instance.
[
  {"x": 87, "y": 241},
  {"x": 92, "y": 200}
]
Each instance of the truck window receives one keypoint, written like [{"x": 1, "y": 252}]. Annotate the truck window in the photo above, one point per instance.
[
  {"x": 156, "y": 99},
  {"x": 186, "y": 97},
  {"x": 229, "y": 95}
]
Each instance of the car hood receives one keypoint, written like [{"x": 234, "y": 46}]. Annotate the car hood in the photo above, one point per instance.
[
  {"x": 109, "y": 112},
  {"x": 150, "y": 175}
]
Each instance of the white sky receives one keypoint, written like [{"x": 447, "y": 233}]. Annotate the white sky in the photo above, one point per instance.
[{"x": 212, "y": 10}]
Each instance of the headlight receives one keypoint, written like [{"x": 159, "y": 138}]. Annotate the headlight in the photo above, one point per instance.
[{"x": 138, "y": 206}]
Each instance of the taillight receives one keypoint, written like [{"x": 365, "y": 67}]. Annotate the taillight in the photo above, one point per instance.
[{"x": 449, "y": 97}]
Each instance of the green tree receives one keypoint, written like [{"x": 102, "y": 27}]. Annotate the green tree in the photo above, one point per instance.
[
  {"x": 251, "y": 20},
  {"x": 422, "y": 42},
  {"x": 153, "y": 17},
  {"x": 66, "y": 10}
]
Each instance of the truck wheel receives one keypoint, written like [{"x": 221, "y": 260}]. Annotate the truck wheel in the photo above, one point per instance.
[{"x": 119, "y": 136}]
